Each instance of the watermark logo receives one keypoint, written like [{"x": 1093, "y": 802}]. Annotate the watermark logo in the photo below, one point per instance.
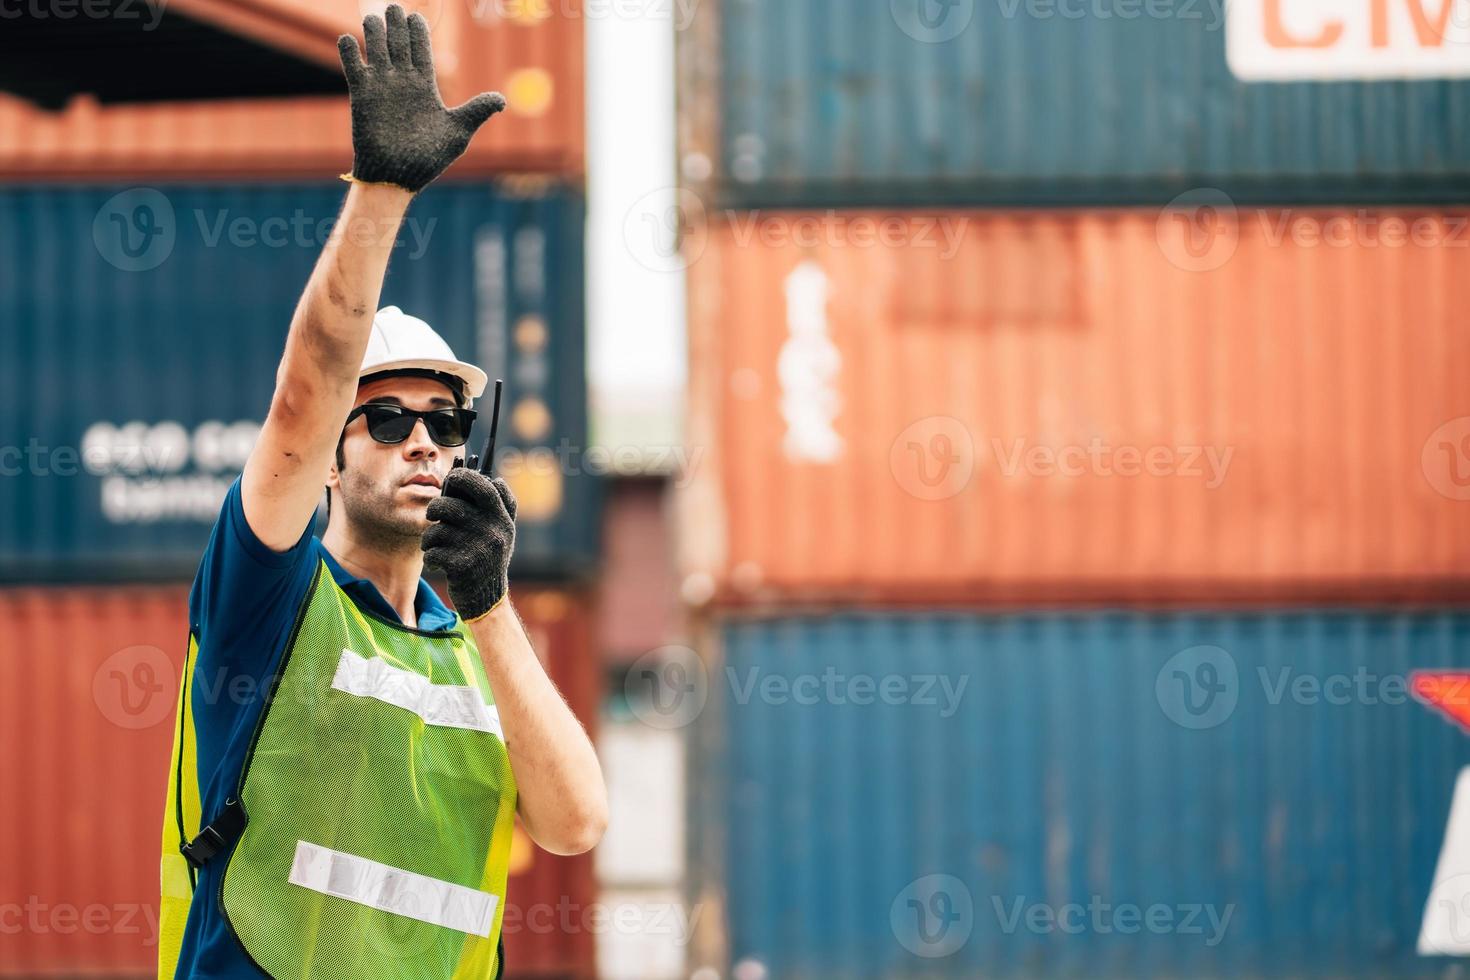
[
  {"x": 135, "y": 230},
  {"x": 932, "y": 21},
  {"x": 1446, "y": 459},
  {"x": 1104, "y": 918},
  {"x": 933, "y": 917},
  {"x": 1199, "y": 230},
  {"x": 1199, "y": 687},
  {"x": 934, "y": 458},
  {"x": 941, "y": 692},
  {"x": 666, "y": 230},
  {"x": 134, "y": 687},
  {"x": 667, "y": 688},
  {"x": 1446, "y": 927},
  {"x": 36, "y": 917},
  {"x": 147, "y": 12}
]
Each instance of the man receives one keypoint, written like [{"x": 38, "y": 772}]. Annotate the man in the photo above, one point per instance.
[{"x": 350, "y": 754}]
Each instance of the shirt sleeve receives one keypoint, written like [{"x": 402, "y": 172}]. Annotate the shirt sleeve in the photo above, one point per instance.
[{"x": 245, "y": 595}]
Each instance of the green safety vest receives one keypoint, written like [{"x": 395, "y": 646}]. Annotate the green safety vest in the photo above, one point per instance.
[{"x": 378, "y": 806}]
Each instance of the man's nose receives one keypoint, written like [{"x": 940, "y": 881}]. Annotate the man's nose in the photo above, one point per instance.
[{"x": 418, "y": 444}]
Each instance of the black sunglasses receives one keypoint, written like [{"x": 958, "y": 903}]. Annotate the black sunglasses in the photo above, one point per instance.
[{"x": 391, "y": 424}]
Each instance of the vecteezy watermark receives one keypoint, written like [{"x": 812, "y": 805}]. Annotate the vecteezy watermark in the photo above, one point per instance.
[
  {"x": 1445, "y": 930},
  {"x": 565, "y": 917},
  {"x": 1198, "y": 688},
  {"x": 138, "y": 229},
  {"x": 667, "y": 688},
  {"x": 146, "y": 13},
  {"x": 934, "y": 458},
  {"x": 1097, "y": 458},
  {"x": 933, "y": 916},
  {"x": 135, "y": 687},
  {"x": 668, "y": 229},
  {"x": 932, "y": 21},
  {"x": 1102, "y": 918},
  {"x": 1210, "y": 14},
  {"x": 37, "y": 917},
  {"x": 135, "y": 230},
  {"x": 1200, "y": 230},
  {"x": 135, "y": 447},
  {"x": 408, "y": 936},
  {"x": 1446, "y": 459},
  {"x": 570, "y": 459},
  {"x": 1201, "y": 687},
  {"x": 940, "y": 691}
]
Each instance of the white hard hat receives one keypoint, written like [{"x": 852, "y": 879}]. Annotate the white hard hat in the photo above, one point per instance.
[{"x": 400, "y": 342}]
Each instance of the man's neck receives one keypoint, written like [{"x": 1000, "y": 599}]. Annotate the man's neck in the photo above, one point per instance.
[{"x": 395, "y": 572}]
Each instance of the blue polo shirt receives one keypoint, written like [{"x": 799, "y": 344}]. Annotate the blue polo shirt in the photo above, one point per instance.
[{"x": 242, "y": 607}]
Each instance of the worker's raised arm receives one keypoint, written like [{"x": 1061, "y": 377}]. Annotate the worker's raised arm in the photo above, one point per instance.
[{"x": 402, "y": 138}]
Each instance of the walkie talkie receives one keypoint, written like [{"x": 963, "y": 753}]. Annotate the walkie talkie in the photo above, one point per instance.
[{"x": 485, "y": 462}]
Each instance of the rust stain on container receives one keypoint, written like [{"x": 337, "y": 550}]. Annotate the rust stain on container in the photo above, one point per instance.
[
  {"x": 537, "y": 62},
  {"x": 1075, "y": 406},
  {"x": 88, "y": 681}
]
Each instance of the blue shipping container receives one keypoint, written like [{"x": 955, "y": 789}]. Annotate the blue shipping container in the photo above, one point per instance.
[
  {"x": 1109, "y": 794},
  {"x": 141, "y": 328},
  {"x": 1035, "y": 102}
]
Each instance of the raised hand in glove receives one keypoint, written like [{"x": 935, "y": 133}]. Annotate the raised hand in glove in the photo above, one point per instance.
[
  {"x": 401, "y": 132},
  {"x": 473, "y": 539}
]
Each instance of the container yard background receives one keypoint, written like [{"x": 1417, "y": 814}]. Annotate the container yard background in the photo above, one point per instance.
[{"x": 990, "y": 472}]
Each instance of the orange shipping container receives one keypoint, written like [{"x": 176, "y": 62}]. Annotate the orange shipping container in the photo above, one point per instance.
[
  {"x": 1134, "y": 405},
  {"x": 530, "y": 51},
  {"x": 88, "y": 683}
]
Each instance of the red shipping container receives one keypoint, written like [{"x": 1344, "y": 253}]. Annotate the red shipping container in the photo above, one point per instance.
[
  {"x": 88, "y": 683},
  {"x": 533, "y": 52},
  {"x": 1134, "y": 405}
]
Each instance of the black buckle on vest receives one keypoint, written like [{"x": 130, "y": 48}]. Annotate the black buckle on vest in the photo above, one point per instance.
[{"x": 217, "y": 836}]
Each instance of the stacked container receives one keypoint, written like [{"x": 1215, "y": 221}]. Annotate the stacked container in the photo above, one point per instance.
[
  {"x": 154, "y": 255},
  {"x": 1086, "y": 469}
]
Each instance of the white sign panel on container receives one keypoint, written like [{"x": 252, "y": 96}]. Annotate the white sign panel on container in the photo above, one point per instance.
[{"x": 1286, "y": 40}]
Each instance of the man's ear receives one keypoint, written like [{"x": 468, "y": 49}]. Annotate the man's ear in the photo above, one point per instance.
[{"x": 334, "y": 481}]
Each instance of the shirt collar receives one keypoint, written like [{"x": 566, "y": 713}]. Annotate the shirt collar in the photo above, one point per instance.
[{"x": 433, "y": 614}]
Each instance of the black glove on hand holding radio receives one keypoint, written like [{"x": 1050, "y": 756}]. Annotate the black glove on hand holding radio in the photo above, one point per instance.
[
  {"x": 402, "y": 134},
  {"x": 473, "y": 540}
]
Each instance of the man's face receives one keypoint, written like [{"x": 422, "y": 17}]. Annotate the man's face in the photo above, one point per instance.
[{"x": 385, "y": 490}]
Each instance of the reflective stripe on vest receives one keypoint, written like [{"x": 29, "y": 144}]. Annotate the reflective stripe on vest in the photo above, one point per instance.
[
  {"x": 452, "y": 705},
  {"x": 440, "y": 903}
]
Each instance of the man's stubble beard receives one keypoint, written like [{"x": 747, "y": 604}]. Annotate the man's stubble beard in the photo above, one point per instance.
[{"x": 376, "y": 522}]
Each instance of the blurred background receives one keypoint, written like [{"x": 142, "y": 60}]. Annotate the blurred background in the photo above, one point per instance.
[{"x": 994, "y": 475}]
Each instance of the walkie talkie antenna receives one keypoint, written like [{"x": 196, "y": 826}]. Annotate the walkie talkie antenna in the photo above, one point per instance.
[
  {"x": 487, "y": 458},
  {"x": 485, "y": 462}
]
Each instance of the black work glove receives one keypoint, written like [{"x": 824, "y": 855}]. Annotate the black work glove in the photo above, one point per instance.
[
  {"x": 401, "y": 132},
  {"x": 473, "y": 539}
]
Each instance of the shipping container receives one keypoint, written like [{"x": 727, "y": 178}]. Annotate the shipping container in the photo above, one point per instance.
[
  {"x": 142, "y": 328},
  {"x": 970, "y": 407},
  {"x": 1046, "y": 104},
  {"x": 532, "y": 52},
  {"x": 1112, "y": 794},
  {"x": 639, "y": 593},
  {"x": 90, "y": 679},
  {"x": 550, "y": 906}
]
